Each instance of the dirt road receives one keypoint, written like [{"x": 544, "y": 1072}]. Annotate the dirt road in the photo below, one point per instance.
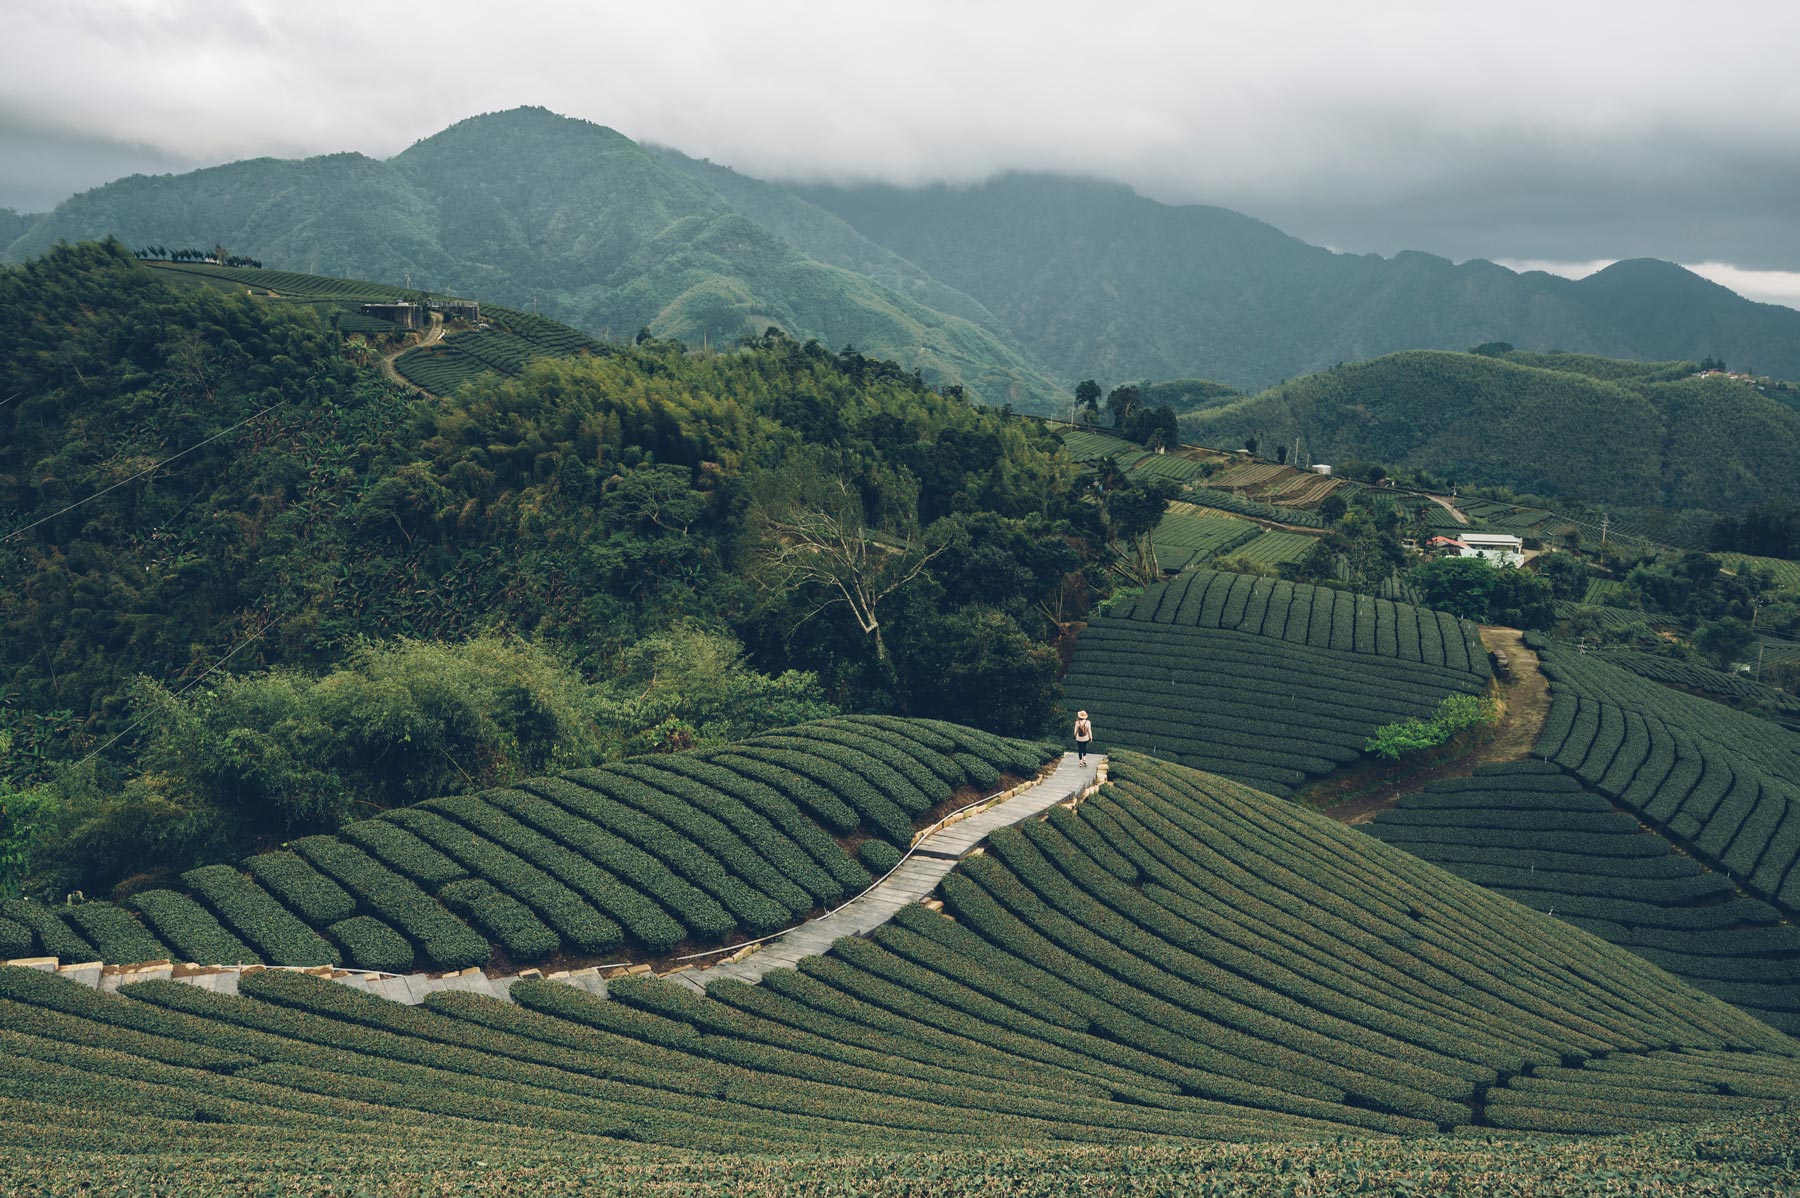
[
  {"x": 432, "y": 336},
  {"x": 1356, "y": 795},
  {"x": 1449, "y": 507}
]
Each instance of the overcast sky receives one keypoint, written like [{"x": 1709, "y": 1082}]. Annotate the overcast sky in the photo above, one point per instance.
[{"x": 1559, "y": 134}]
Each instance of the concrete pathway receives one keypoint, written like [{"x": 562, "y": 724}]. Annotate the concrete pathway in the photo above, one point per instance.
[
  {"x": 916, "y": 877},
  {"x": 934, "y": 856}
]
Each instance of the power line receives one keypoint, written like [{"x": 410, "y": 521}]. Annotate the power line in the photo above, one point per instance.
[
  {"x": 257, "y": 635},
  {"x": 140, "y": 474}
]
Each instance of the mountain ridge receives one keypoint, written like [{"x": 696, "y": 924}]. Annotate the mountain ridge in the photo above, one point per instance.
[
  {"x": 537, "y": 210},
  {"x": 1014, "y": 287},
  {"x": 1162, "y": 281}
]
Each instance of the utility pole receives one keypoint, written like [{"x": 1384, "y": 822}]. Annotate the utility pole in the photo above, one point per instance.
[{"x": 1605, "y": 523}]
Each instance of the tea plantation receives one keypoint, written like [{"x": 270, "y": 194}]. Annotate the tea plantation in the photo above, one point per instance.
[
  {"x": 639, "y": 857},
  {"x": 1178, "y": 958},
  {"x": 507, "y": 341},
  {"x": 510, "y": 342},
  {"x": 1535, "y": 834},
  {"x": 1723, "y": 783},
  {"x": 1267, "y": 682}
]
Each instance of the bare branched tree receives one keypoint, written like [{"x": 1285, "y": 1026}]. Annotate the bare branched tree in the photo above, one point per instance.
[{"x": 820, "y": 544}]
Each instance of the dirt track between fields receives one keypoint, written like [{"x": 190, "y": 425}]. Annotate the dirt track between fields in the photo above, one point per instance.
[
  {"x": 1358, "y": 794},
  {"x": 434, "y": 335}
]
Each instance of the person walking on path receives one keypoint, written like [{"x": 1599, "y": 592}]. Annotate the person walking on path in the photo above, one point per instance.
[{"x": 1084, "y": 734}]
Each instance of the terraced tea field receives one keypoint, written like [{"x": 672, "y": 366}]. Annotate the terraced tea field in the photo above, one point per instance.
[
  {"x": 1787, "y": 573},
  {"x": 1724, "y": 783},
  {"x": 509, "y": 341},
  {"x": 1177, "y": 958},
  {"x": 1188, "y": 534},
  {"x": 1267, "y": 682},
  {"x": 512, "y": 341},
  {"x": 1737, "y": 1160},
  {"x": 1231, "y": 501},
  {"x": 1535, "y": 834},
  {"x": 1733, "y": 688},
  {"x": 1272, "y": 548},
  {"x": 639, "y": 857}
]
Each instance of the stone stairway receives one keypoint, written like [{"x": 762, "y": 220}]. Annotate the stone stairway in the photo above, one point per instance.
[{"x": 933, "y": 856}]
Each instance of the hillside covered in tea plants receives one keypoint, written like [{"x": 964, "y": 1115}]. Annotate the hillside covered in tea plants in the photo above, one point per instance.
[
  {"x": 634, "y": 859},
  {"x": 1265, "y": 681},
  {"x": 572, "y": 654},
  {"x": 1176, "y": 957}
]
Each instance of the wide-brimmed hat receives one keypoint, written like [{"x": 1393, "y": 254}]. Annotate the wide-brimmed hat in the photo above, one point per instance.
[{"x": 1081, "y": 715}]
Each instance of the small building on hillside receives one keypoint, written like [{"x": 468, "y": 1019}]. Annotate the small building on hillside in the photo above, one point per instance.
[
  {"x": 1500, "y": 547},
  {"x": 407, "y": 316},
  {"x": 1321, "y": 468},
  {"x": 1444, "y": 545}
]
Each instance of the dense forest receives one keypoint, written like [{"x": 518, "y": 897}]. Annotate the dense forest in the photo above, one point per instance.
[
  {"x": 1088, "y": 276},
  {"x": 1648, "y": 439},
  {"x": 563, "y": 217},
  {"x": 195, "y": 482}
]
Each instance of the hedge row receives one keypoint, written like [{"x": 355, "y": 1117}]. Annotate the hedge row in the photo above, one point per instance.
[
  {"x": 264, "y": 924},
  {"x": 371, "y": 944},
  {"x": 190, "y": 929},
  {"x": 445, "y": 941}
]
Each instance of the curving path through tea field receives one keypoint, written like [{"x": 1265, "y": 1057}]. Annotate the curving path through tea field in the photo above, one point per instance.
[{"x": 925, "y": 865}]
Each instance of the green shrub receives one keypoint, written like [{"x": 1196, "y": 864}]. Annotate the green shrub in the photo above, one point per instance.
[
  {"x": 1453, "y": 715},
  {"x": 371, "y": 944},
  {"x": 878, "y": 855},
  {"x": 190, "y": 929},
  {"x": 507, "y": 921},
  {"x": 15, "y": 939}
]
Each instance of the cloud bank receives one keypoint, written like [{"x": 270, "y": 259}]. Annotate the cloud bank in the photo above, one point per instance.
[{"x": 1565, "y": 131}]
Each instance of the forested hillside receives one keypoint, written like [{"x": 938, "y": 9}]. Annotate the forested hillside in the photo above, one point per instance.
[
  {"x": 195, "y": 481},
  {"x": 1016, "y": 288},
  {"x": 1543, "y": 424},
  {"x": 538, "y": 211},
  {"x": 1092, "y": 279}
]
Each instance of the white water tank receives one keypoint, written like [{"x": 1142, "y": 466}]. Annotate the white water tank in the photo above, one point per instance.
[{"x": 1321, "y": 469}]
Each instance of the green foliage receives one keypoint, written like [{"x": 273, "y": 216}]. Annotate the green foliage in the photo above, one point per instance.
[
  {"x": 1716, "y": 780},
  {"x": 1265, "y": 681},
  {"x": 371, "y": 944},
  {"x": 1178, "y": 959},
  {"x": 280, "y": 752},
  {"x": 1476, "y": 589},
  {"x": 25, "y": 811},
  {"x": 594, "y": 502},
  {"x": 190, "y": 929},
  {"x": 1456, "y": 714},
  {"x": 1629, "y": 437},
  {"x": 640, "y": 855},
  {"x": 1724, "y": 642},
  {"x": 1624, "y": 883},
  {"x": 878, "y": 856},
  {"x": 1567, "y": 574},
  {"x": 505, "y": 920},
  {"x": 15, "y": 939},
  {"x": 535, "y": 210},
  {"x": 261, "y": 922}
]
